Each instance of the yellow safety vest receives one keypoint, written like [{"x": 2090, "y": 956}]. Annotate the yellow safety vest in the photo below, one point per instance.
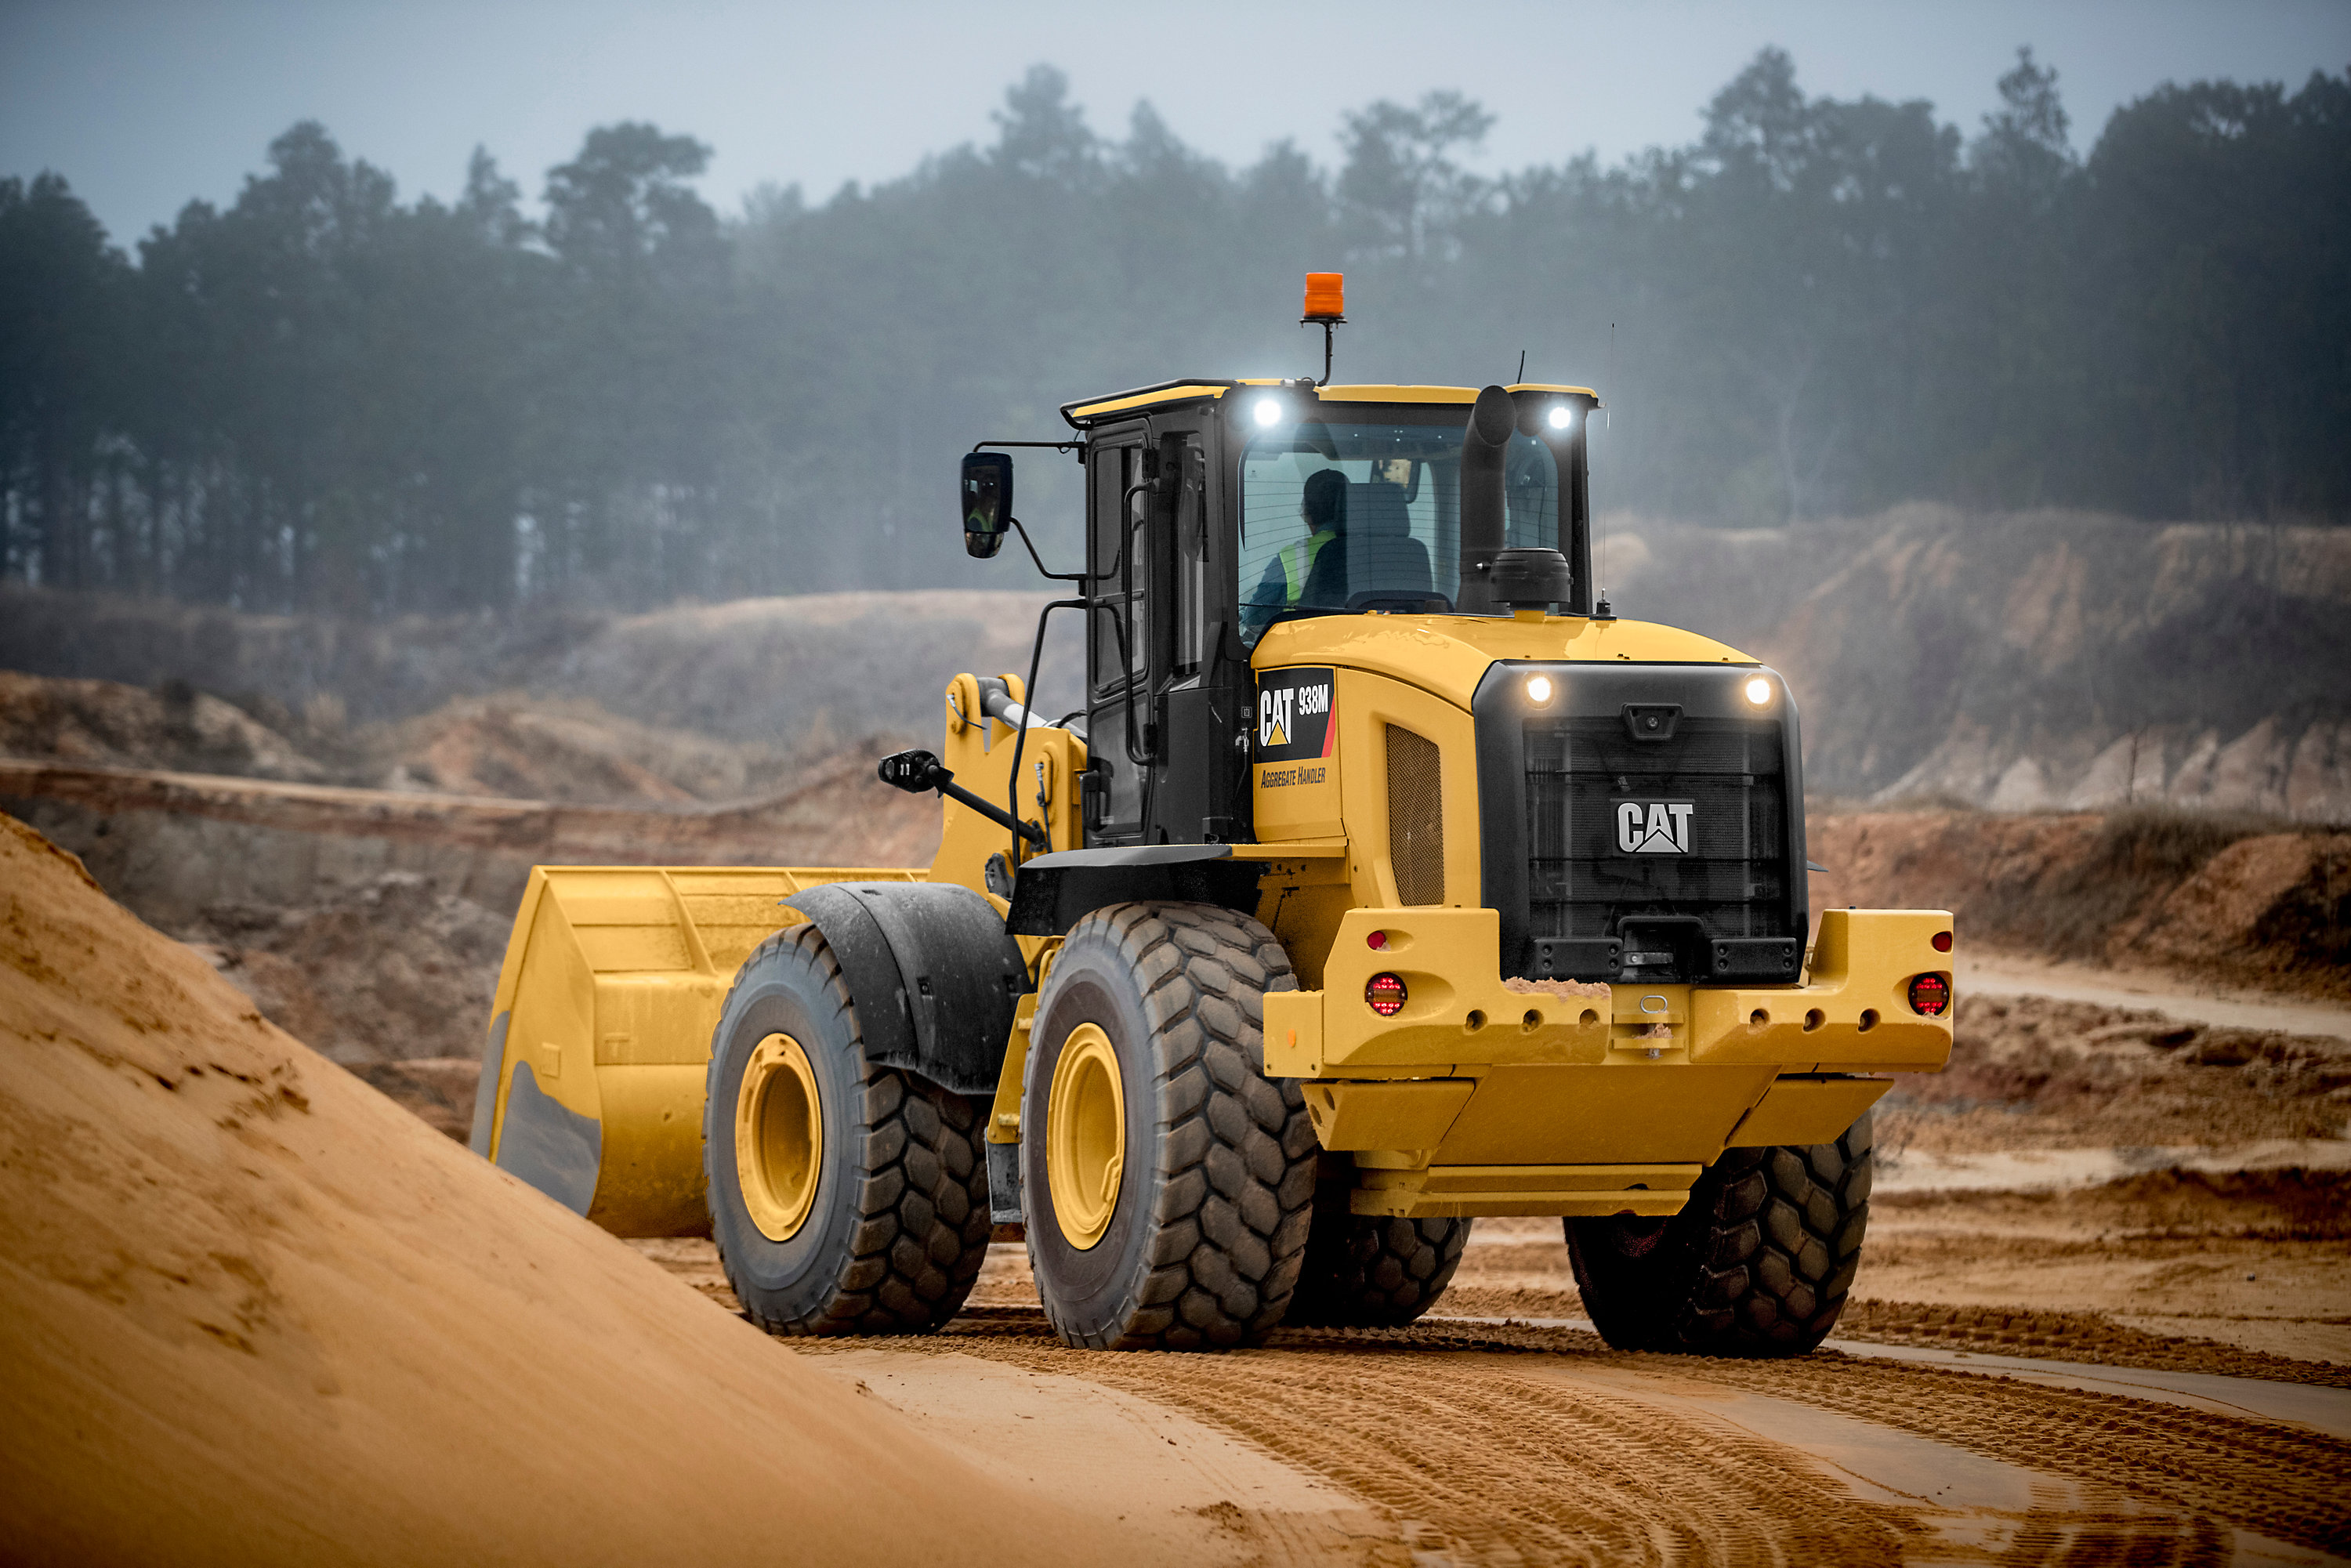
[{"x": 1297, "y": 561}]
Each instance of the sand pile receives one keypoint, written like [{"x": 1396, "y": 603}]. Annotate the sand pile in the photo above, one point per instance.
[
  {"x": 2036, "y": 1073},
  {"x": 251, "y": 1311},
  {"x": 102, "y": 723},
  {"x": 509, "y": 745},
  {"x": 800, "y": 671},
  {"x": 561, "y": 748},
  {"x": 2239, "y": 899}
]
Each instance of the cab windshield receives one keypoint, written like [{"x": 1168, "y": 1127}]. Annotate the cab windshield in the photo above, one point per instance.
[{"x": 1339, "y": 516}]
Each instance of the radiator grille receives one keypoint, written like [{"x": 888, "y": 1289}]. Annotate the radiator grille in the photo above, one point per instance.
[
  {"x": 1416, "y": 817},
  {"x": 1732, "y": 874}
]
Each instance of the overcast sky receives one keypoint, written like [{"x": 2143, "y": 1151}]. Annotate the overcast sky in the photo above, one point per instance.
[{"x": 143, "y": 106}]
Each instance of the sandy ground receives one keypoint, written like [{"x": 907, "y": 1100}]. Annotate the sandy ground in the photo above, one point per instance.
[
  {"x": 254, "y": 1311},
  {"x": 1094, "y": 1449},
  {"x": 1489, "y": 1434},
  {"x": 1494, "y": 1443},
  {"x": 251, "y": 1311}
]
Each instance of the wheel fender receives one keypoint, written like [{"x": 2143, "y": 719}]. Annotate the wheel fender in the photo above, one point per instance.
[
  {"x": 1052, "y": 893},
  {"x": 933, "y": 973}
]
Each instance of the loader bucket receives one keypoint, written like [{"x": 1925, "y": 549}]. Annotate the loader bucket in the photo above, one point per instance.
[{"x": 594, "y": 1069}]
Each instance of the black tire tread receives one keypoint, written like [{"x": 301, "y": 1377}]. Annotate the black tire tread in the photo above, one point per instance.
[
  {"x": 922, "y": 1189},
  {"x": 1373, "y": 1271},
  {"x": 1233, "y": 1212},
  {"x": 1758, "y": 1264}
]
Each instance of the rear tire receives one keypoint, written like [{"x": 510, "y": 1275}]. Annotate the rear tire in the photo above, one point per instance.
[
  {"x": 871, "y": 1220},
  {"x": 1757, "y": 1264},
  {"x": 1372, "y": 1271},
  {"x": 1168, "y": 1183}
]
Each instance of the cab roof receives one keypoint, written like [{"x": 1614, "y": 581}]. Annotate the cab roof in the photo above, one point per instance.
[{"x": 1088, "y": 412}]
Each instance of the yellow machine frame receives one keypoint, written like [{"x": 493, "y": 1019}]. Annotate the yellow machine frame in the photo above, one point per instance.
[{"x": 1477, "y": 1099}]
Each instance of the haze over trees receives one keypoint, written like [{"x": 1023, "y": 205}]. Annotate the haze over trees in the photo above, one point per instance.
[{"x": 320, "y": 397}]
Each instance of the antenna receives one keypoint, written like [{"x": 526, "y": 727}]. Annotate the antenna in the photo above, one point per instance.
[
  {"x": 1611, "y": 424},
  {"x": 1522, "y": 368}
]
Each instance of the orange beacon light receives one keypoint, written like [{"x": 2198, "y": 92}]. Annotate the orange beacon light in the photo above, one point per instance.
[{"x": 1326, "y": 307}]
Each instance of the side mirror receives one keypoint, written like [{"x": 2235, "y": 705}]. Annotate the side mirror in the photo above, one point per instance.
[{"x": 986, "y": 502}]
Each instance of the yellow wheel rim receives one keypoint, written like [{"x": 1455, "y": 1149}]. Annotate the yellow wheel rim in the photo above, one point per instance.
[
  {"x": 1085, "y": 1135},
  {"x": 779, "y": 1137}
]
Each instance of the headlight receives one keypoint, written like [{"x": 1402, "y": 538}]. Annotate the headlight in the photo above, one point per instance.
[
  {"x": 1562, "y": 417},
  {"x": 1538, "y": 689},
  {"x": 1268, "y": 411},
  {"x": 1759, "y": 692}
]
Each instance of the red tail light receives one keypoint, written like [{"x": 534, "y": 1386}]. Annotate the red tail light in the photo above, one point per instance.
[
  {"x": 1930, "y": 995},
  {"x": 1386, "y": 995}
]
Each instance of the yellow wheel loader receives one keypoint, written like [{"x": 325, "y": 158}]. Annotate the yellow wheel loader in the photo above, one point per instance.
[{"x": 1378, "y": 878}]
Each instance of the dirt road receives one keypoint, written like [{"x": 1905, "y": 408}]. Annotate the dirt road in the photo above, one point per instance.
[
  {"x": 1506, "y": 1441},
  {"x": 1509, "y": 1445},
  {"x": 2177, "y": 995}
]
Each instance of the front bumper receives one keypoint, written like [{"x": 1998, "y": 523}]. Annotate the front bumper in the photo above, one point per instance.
[{"x": 1477, "y": 1099}]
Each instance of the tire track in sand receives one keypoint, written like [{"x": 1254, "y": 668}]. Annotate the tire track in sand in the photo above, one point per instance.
[
  {"x": 1486, "y": 1466},
  {"x": 2282, "y": 1481},
  {"x": 1479, "y": 1466}
]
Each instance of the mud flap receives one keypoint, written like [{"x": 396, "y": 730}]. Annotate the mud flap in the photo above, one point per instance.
[{"x": 1003, "y": 1185}]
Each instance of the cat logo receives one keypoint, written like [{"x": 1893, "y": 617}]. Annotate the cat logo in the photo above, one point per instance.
[
  {"x": 1654, "y": 827},
  {"x": 1294, "y": 711}
]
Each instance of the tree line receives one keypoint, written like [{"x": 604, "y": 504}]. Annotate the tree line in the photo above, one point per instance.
[{"x": 321, "y": 397}]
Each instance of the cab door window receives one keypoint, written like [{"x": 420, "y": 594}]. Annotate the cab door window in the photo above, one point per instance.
[
  {"x": 1121, "y": 561},
  {"x": 1189, "y": 557},
  {"x": 1119, "y": 641}
]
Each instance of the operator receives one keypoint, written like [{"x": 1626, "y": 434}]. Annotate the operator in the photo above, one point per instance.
[{"x": 1311, "y": 573}]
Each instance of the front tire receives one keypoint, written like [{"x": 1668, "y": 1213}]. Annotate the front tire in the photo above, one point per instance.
[
  {"x": 845, "y": 1199},
  {"x": 1167, "y": 1181},
  {"x": 1757, "y": 1264}
]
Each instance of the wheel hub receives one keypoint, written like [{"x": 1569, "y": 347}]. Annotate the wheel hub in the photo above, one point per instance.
[
  {"x": 779, "y": 1137},
  {"x": 1085, "y": 1135}
]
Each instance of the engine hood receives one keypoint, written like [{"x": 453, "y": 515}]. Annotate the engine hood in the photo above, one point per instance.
[{"x": 1450, "y": 655}]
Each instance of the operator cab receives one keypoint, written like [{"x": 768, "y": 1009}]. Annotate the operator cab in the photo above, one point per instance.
[
  {"x": 1389, "y": 475},
  {"x": 1217, "y": 508}
]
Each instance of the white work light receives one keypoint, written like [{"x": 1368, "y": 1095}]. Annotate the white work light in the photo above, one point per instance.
[
  {"x": 1759, "y": 690},
  {"x": 1538, "y": 689},
  {"x": 1562, "y": 417},
  {"x": 1269, "y": 410}
]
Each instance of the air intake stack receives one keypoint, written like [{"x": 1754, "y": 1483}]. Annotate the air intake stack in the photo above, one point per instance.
[
  {"x": 1493, "y": 576},
  {"x": 1493, "y": 420}
]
